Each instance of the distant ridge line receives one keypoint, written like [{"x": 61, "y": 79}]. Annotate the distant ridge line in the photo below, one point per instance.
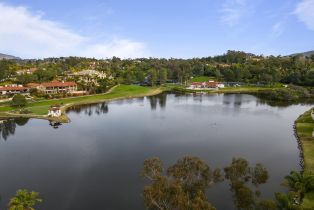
[{"x": 8, "y": 57}]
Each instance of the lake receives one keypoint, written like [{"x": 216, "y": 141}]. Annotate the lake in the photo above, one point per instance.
[{"x": 94, "y": 162}]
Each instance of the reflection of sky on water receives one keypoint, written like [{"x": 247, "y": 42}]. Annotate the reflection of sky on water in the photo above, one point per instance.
[{"x": 94, "y": 161}]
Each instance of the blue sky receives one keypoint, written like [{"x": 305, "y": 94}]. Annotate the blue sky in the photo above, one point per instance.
[{"x": 138, "y": 28}]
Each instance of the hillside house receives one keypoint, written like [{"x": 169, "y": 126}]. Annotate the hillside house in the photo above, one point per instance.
[
  {"x": 55, "y": 87},
  {"x": 32, "y": 85},
  {"x": 205, "y": 85},
  {"x": 26, "y": 71},
  {"x": 13, "y": 89},
  {"x": 89, "y": 76}
]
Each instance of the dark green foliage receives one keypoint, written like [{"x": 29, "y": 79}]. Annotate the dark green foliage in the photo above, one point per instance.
[
  {"x": 234, "y": 66},
  {"x": 266, "y": 205},
  {"x": 285, "y": 94},
  {"x": 241, "y": 176},
  {"x": 185, "y": 183},
  {"x": 299, "y": 183},
  {"x": 18, "y": 100},
  {"x": 182, "y": 187},
  {"x": 26, "y": 78},
  {"x": 24, "y": 200},
  {"x": 7, "y": 69},
  {"x": 152, "y": 76},
  {"x": 287, "y": 201}
]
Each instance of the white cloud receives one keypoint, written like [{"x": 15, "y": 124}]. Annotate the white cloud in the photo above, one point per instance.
[
  {"x": 117, "y": 47},
  {"x": 305, "y": 12},
  {"x": 277, "y": 29},
  {"x": 233, "y": 10},
  {"x": 31, "y": 36}
]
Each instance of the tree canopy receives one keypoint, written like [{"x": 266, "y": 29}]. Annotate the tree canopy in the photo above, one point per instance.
[
  {"x": 233, "y": 66},
  {"x": 18, "y": 100}
]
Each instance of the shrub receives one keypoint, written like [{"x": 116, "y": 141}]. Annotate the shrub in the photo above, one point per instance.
[
  {"x": 18, "y": 100},
  {"x": 285, "y": 94}
]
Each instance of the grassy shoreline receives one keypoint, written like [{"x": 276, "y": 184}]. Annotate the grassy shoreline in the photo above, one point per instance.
[
  {"x": 241, "y": 89},
  {"x": 39, "y": 109},
  {"x": 304, "y": 126}
]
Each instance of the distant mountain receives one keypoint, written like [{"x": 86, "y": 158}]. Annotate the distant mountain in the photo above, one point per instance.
[
  {"x": 304, "y": 54},
  {"x": 8, "y": 57}
]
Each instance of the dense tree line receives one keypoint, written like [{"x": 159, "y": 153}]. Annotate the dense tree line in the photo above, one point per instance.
[{"x": 234, "y": 66}]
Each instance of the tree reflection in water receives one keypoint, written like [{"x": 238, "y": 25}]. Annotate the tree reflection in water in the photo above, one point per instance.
[
  {"x": 90, "y": 109},
  {"x": 54, "y": 124},
  {"x": 160, "y": 99},
  {"x": 7, "y": 127}
]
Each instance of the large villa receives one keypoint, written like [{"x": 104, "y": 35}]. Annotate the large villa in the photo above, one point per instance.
[
  {"x": 206, "y": 85},
  {"x": 57, "y": 87},
  {"x": 53, "y": 87},
  {"x": 13, "y": 89}
]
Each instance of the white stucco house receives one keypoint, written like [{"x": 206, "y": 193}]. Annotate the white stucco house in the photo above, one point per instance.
[{"x": 54, "y": 111}]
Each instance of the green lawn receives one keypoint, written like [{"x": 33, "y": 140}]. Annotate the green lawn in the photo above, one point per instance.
[
  {"x": 202, "y": 79},
  {"x": 122, "y": 91},
  {"x": 242, "y": 89},
  {"x": 305, "y": 127}
]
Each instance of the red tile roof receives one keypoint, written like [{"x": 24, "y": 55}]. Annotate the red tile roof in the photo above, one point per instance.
[
  {"x": 54, "y": 108},
  {"x": 12, "y": 88},
  {"x": 32, "y": 85},
  {"x": 207, "y": 84},
  {"x": 58, "y": 84}
]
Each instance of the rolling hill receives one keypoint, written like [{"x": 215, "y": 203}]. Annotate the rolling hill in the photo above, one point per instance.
[
  {"x": 304, "y": 54},
  {"x": 8, "y": 57}
]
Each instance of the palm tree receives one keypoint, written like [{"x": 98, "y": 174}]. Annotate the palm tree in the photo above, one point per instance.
[
  {"x": 286, "y": 202},
  {"x": 300, "y": 183},
  {"x": 24, "y": 200}
]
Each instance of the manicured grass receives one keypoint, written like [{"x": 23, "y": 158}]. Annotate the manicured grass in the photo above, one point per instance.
[
  {"x": 202, "y": 79},
  {"x": 39, "y": 110},
  {"x": 122, "y": 91},
  {"x": 242, "y": 89},
  {"x": 304, "y": 129}
]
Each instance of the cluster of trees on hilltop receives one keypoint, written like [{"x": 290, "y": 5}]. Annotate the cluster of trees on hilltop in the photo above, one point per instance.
[{"x": 234, "y": 66}]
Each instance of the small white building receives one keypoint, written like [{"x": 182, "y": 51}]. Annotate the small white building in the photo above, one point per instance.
[
  {"x": 206, "y": 85},
  {"x": 220, "y": 85},
  {"x": 54, "y": 111}
]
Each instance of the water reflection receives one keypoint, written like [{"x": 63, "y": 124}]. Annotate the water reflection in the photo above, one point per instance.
[
  {"x": 191, "y": 174},
  {"x": 160, "y": 99},
  {"x": 102, "y": 155},
  {"x": 90, "y": 109},
  {"x": 54, "y": 124},
  {"x": 7, "y": 127},
  {"x": 284, "y": 103}
]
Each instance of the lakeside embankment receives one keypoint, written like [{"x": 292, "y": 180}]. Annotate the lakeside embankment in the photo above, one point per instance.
[
  {"x": 241, "y": 89},
  {"x": 304, "y": 128},
  {"x": 39, "y": 109}
]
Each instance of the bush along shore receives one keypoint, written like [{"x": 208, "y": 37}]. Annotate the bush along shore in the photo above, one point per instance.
[
  {"x": 304, "y": 130},
  {"x": 39, "y": 109},
  {"x": 290, "y": 93}
]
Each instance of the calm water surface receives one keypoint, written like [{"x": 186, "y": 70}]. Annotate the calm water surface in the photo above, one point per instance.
[{"x": 94, "y": 161}]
